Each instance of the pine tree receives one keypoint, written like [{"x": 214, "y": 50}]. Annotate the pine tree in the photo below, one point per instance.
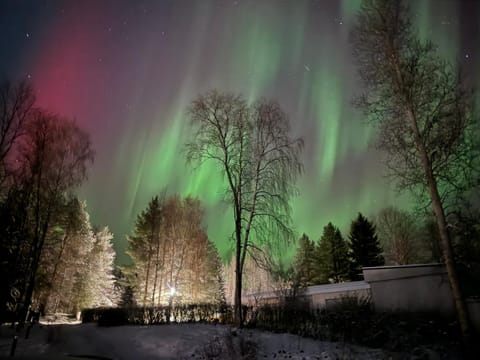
[
  {"x": 365, "y": 248},
  {"x": 303, "y": 263},
  {"x": 144, "y": 248},
  {"x": 331, "y": 257},
  {"x": 101, "y": 279}
]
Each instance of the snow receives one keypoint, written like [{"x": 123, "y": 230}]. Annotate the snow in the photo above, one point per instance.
[{"x": 175, "y": 341}]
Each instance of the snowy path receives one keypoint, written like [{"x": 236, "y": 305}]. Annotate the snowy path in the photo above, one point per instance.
[{"x": 182, "y": 341}]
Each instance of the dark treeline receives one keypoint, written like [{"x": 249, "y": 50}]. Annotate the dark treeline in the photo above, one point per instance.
[
  {"x": 393, "y": 237},
  {"x": 334, "y": 259}
]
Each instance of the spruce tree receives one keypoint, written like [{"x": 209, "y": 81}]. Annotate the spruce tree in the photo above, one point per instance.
[
  {"x": 365, "y": 248},
  {"x": 332, "y": 265},
  {"x": 142, "y": 246},
  {"x": 303, "y": 263}
]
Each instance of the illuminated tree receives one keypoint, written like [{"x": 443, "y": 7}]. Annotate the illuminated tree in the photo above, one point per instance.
[
  {"x": 364, "y": 246},
  {"x": 260, "y": 162},
  {"x": 331, "y": 257},
  {"x": 83, "y": 273},
  {"x": 64, "y": 258},
  {"x": 202, "y": 280},
  {"x": 423, "y": 113},
  {"x": 170, "y": 250},
  {"x": 100, "y": 279},
  {"x": 143, "y": 246},
  {"x": 192, "y": 263}
]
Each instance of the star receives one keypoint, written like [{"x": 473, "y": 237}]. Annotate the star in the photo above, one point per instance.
[
  {"x": 467, "y": 56},
  {"x": 27, "y": 35}
]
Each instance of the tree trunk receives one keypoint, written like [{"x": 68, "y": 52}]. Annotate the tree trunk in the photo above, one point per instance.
[
  {"x": 238, "y": 276},
  {"x": 437, "y": 206},
  {"x": 156, "y": 271},
  {"x": 448, "y": 255},
  {"x": 162, "y": 270},
  {"x": 37, "y": 253},
  {"x": 54, "y": 274},
  {"x": 29, "y": 290},
  {"x": 238, "y": 291},
  {"x": 146, "y": 278},
  {"x": 449, "y": 260}
]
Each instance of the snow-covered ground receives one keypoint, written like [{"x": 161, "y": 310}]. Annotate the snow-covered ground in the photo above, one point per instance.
[{"x": 176, "y": 341}]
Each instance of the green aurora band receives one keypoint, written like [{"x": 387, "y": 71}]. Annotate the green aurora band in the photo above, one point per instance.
[
  {"x": 296, "y": 52},
  {"x": 326, "y": 87}
]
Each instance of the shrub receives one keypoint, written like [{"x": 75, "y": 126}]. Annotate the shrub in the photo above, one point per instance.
[
  {"x": 113, "y": 317},
  {"x": 198, "y": 313},
  {"x": 353, "y": 320}
]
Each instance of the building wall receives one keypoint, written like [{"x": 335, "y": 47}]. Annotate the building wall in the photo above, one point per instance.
[
  {"x": 332, "y": 294},
  {"x": 317, "y": 296},
  {"x": 422, "y": 288},
  {"x": 405, "y": 288}
]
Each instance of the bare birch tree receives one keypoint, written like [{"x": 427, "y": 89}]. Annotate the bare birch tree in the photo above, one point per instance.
[
  {"x": 260, "y": 162},
  {"x": 423, "y": 113},
  {"x": 16, "y": 105},
  {"x": 398, "y": 233}
]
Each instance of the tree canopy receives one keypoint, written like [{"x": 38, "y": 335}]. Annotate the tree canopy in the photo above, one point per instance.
[
  {"x": 365, "y": 248},
  {"x": 331, "y": 261}
]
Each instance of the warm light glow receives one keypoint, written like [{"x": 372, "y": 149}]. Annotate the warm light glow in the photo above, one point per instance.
[
  {"x": 60, "y": 319},
  {"x": 172, "y": 291}
]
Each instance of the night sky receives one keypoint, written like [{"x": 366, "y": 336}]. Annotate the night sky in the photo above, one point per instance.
[{"x": 126, "y": 71}]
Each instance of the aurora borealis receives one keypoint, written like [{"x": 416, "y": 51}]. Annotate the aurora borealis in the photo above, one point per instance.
[{"x": 127, "y": 71}]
